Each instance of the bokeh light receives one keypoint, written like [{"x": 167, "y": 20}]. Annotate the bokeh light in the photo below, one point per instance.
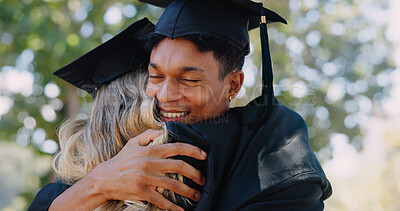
[
  {"x": 113, "y": 15},
  {"x": 49, "y": 146},
  {"x": 39, "y": 136},
  {"x": 6, "y": 104},
  {"x": 51, "y": 90},
  {"x": 87, "y": 29},
  {"x": 17, "y": 81},
  {"x": 48, "y": 113},
  {"x": 6, "y": 38},
  {"x": 129, "y": 11}
]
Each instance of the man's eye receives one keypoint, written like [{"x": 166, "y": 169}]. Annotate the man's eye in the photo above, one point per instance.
[
  {"x": 155, "y": 76},
  {"x": 190, "y": 80}
]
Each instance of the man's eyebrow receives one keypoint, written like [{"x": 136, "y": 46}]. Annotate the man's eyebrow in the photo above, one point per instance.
[
  {"x": 183, "y": 69},
  {"x": 188, "y": 69},
  {"x": 154, "y": 66}
]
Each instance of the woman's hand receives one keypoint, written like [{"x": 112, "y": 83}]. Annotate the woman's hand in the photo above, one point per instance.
[{"x": 135, "y": 173}]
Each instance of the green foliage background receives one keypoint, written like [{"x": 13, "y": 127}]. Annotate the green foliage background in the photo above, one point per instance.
[{"x": 327, "y": 64}]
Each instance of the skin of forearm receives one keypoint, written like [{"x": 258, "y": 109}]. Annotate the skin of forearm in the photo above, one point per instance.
[{"x": 83, "y": 195}]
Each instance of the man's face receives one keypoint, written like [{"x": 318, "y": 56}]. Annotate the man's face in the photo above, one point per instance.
[{"x": 186, "y": 82}]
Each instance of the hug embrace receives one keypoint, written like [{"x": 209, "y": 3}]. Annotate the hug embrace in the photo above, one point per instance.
[{"x": 162, "y": 135}]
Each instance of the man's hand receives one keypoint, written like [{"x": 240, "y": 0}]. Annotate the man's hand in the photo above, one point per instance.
[{"x": 137, "y": 170}]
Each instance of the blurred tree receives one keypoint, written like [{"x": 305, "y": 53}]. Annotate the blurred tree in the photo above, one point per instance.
[
  {"x": 36, "y": 38},
  {"x": 330, "y": 64}
]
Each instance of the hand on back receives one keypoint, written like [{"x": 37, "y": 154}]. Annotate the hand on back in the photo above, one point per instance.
[{"x": 138, "y": 169}]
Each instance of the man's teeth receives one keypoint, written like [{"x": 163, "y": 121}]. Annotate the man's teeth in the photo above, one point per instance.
[{"x": 172, "y": 115}]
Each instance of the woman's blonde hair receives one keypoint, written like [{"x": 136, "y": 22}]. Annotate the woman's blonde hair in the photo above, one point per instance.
[{"x": 121, "y": 111}]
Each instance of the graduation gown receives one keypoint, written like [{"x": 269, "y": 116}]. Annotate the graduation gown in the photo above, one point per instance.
[{"x": 266, "y": 168}]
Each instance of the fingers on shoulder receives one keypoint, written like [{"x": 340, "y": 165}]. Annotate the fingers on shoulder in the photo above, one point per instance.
[
  {"x": 161, "y": 202},
  {"x": 178, "y": 187},
  {"x": 174, "y": 149},
  {"x": 183, "y": 168},
  {"x": 146, "y": 137}
]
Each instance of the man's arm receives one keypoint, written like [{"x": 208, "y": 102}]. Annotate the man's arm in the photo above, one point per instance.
[
  {"x": 302, "y": 196},
  {"x": 133, "y": 174}
]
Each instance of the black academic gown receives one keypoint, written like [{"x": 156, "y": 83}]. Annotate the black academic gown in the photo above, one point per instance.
[{"x": 267, "y": 168}]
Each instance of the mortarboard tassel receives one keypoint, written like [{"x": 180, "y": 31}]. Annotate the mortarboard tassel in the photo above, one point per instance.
[{"x": 267, "y": 94}]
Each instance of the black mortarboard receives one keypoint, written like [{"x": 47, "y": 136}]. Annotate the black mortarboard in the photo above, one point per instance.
[
  {"x": 121, "y": 54},
  {"x": 226, "y": 19}
]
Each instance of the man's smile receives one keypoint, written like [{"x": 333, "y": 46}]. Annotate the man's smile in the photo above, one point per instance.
[{"x": 172, "y": 115}]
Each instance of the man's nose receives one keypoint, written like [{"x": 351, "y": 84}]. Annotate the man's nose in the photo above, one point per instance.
[{"x": 169, "y": 92}]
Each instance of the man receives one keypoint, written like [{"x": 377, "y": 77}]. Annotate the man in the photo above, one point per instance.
[
  {"x": 272, "y": 166},
  {"x": 194, "y": 75}
]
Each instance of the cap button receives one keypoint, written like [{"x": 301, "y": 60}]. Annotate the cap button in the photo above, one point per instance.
[{"x": 263, "y": 19}]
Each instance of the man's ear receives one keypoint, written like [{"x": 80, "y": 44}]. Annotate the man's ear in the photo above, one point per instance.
[{"x": 236, "y": 82}]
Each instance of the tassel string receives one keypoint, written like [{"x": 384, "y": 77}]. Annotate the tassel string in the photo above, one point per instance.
[{"x": 267, "y": 96}]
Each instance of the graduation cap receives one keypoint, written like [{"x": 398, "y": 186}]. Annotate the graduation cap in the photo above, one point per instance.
[
  {"x": 121, "y": 54},
  {"x": 227, "y": 19}
]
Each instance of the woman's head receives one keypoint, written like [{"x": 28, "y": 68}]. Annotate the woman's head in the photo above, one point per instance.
[{"x": 120, "y": 111}]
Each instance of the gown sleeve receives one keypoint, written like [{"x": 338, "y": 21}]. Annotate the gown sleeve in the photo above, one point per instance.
[
  {"x": 274, "y": 167},
  {"x": 298, "y": 197},
  {"x": 46, "y": 196}
]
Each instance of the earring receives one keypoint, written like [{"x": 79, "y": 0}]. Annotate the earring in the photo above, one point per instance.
[{"x": 230, "y": 98}]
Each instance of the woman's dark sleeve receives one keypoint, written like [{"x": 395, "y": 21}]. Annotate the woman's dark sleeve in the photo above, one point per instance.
[
  {"x": 46, "y": 196},
  {"x": 298, "y": 197}
]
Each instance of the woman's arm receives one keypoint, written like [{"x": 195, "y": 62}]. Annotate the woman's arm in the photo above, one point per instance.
[{"x": 133, "y": 174}]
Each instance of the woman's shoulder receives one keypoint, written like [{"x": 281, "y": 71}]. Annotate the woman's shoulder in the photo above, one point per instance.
[{"x": 46, "y": 196}]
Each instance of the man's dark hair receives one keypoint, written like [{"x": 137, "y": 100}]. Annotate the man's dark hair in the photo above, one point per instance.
[{"x": 229, "y": 57}]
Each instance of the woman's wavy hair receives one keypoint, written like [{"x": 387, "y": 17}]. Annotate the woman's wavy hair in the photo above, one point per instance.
[{"x": 121, "y": 111}]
